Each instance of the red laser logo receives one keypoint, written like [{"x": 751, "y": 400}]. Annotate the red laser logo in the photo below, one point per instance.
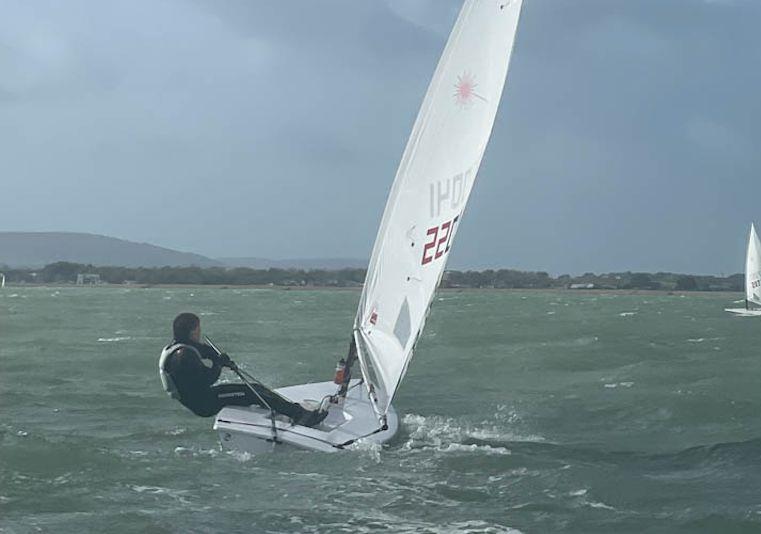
[{"x": 465, "y": 90}]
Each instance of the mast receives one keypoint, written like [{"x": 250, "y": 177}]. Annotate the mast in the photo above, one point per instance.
[{"x": 348, "y": 363}]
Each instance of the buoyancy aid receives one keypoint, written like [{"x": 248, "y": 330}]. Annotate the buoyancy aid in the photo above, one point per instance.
[{"x": 166, "y": 378}]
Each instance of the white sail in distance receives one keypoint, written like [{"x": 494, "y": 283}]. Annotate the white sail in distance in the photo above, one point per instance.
[
  {"x": 753, "y": 269},
  {"x": 430, "y": 191}
]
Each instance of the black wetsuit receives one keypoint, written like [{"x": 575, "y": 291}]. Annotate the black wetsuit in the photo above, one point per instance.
[{"x": 194, "y": 381}]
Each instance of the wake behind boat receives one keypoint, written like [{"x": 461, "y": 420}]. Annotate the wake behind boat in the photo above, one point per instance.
[
  {"x": 422, "y": 216},
  {"x": 752, "y": 278}
]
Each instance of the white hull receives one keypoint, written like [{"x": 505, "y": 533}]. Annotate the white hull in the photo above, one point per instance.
[
  {"x": 249, "y": 428},
  {"x": 743, "y": 312}
]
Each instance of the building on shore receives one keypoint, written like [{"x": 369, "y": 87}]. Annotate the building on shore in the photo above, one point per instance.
[{"x": 88, "y": 279}]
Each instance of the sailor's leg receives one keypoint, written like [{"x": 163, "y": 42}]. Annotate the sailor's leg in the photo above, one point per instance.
[
  {"x": 241, "y": 395},
  {"x": 291, "y": 409},
  {"x": 234, "y": 395},
  {"x": 203, "y": 403}
]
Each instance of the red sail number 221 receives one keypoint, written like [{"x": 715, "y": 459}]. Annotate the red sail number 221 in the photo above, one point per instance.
[{"x": 440, "y": 237}]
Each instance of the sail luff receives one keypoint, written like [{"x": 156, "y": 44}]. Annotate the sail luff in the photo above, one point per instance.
[
  {"x": 409, "y": 355},
  {"x": 407, "y": 155},
  {"x": 431, "y": 189}
]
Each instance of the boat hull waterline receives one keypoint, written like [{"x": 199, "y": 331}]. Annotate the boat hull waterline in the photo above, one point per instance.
[{"x": 742, "y": 312}]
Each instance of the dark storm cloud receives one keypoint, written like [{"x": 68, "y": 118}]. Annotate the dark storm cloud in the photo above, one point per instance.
[{"x": 626, "y": 137}]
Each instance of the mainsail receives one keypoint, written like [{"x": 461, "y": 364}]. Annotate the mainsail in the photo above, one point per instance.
[
  {"x": 753, "y": 269},
  {"x": 430, "y": 191}
]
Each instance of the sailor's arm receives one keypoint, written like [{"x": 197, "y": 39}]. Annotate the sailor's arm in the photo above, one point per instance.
[{"x": 194, "y": 366}]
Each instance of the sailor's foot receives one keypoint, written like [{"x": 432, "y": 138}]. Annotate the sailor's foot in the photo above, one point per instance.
[{"x": 312, "y": 417}]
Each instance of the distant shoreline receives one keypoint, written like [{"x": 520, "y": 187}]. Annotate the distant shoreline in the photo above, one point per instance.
[
  {"x": 63, "y": 273},
  {"x": 593, "y": 291}
]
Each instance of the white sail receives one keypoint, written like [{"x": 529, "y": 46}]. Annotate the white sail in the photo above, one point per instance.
[
  {"x": 753, "y": 269},
  {"x": 430, "y": 191}
]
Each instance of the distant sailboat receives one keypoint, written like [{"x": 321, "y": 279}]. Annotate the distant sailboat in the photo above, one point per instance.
[
  {"x": 752, "y": 278},
  {"x": 2, "y": 280},
  {"x": 422, "y": 216}
]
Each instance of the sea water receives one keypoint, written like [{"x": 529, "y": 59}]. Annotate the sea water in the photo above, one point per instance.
[{"x": 521, "y": 412}]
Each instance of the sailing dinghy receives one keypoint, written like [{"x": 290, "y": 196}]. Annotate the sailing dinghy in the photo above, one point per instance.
[
  {"x": 422, "y": 216},
  {"x": 752, "y": 278}
]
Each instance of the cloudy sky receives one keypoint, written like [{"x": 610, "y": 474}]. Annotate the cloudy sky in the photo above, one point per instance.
[{"x": 628, "y": 137}]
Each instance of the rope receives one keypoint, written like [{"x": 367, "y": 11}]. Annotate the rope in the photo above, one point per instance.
[
  {"x": 359, "y": 383},
  {"x": 252, "y": 388},
  {"x": 247, "y": 379},
  {"x": 347, "y": 443}
]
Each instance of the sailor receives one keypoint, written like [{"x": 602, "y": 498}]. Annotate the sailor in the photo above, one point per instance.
[{"x": 188, "y": 379}]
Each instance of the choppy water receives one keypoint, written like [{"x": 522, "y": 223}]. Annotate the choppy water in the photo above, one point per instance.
[{"x": 522, "y": 411}]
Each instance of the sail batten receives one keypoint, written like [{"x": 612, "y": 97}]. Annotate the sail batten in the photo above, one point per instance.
[{"x": 430, "y": 190}]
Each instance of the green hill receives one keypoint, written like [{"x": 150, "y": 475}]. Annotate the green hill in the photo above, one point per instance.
[{"x": 36, "y": 249}]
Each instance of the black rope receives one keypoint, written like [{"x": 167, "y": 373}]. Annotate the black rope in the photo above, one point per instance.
[
  {"x": 347, "y": 443},
  {"x": 252, "y": 388},
  {"x": 247, "y": 378},
  {"x": 359, "y": 383}
]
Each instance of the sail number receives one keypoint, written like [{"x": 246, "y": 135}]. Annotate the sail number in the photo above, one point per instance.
[
  {"x": 440, "y": 238},
  {"x": 755, "y": 283}
]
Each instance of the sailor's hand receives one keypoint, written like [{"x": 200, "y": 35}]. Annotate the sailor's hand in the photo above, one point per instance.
[{"x": 225, "y": 361}]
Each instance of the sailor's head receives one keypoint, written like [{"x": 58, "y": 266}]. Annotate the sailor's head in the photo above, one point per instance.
[{"x": 187, "y": 327}]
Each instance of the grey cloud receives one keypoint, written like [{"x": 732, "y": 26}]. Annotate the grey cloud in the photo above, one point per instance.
[{"x": 625, "y": 139}]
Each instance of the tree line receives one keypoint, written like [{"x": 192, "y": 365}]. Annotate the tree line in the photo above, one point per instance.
[{"x": 66, "y": 273}]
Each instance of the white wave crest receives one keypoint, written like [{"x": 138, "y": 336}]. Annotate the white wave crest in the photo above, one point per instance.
[
  {"x": 445, "y": 434},
  {"x": 178, "y": 495},
  {"x": 618, "y": 384},
  {"x": 194, "y": 452},
  {"x": 488, "y": 449},
  {"x": 593, "y": 504},
  {"x": 373, "y": 450},
  {"x": 476, "y": 527},
  {"x": 240, "y": 456}
]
